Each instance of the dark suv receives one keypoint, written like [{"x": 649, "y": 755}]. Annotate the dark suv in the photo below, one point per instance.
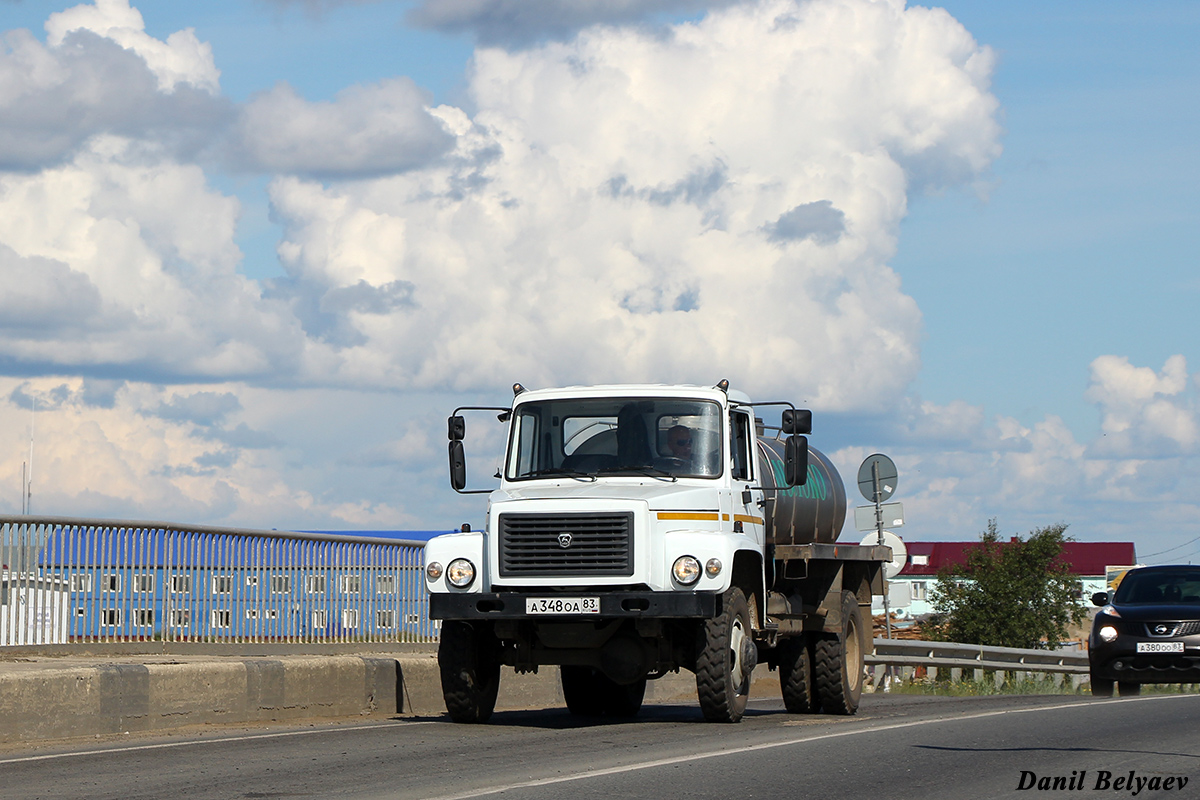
[{"x": 1148, "y": 630}]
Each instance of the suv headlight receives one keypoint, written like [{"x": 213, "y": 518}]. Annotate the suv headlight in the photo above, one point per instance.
[
  {"x": 460, "y": 573},
  {"x": 686, "y": 570},
  {"x": 1108, "y": 633}
]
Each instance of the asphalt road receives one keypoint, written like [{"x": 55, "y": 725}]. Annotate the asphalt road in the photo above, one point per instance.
[{"x": 897, "y": 747}]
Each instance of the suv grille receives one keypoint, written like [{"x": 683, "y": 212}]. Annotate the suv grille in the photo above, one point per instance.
[
  {"x": 1174, "y": 628},
  {"x": 596, "y": 544}
]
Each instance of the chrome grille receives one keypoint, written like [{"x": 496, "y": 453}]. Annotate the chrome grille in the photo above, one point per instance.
[
  {"x": 566, "y": 544},
  {"x": 1173, "y": 628}
]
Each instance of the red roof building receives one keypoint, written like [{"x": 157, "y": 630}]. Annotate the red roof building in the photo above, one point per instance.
[{"x": 1086, "y": 559}]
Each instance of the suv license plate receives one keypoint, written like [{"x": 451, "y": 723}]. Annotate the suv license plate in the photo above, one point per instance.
[
  {"x": 1160, "y": 647},
  {"x": 562, "y": 605}
]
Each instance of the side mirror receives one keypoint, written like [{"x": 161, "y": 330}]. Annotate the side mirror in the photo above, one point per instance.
[
  {"x": 456, "y": 428},
  {"x": 796, "y": 420},
  {"x": 1100, "y": 599},
  {"x": 458, "y": 465},
  {"x": 795, "y": 460}
]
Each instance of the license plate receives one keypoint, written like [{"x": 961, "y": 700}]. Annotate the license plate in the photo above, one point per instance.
[
  {"x": 1160, "y": 647},
  {"x": 562, "y": 605}
]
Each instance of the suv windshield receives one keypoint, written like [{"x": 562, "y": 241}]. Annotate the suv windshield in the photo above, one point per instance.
[
  {"x": 1159, "y": 587},
  {"x": 660, "y": 437}
]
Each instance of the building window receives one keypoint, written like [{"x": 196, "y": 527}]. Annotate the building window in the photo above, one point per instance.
[
  {"x": 251, "y": 613},
  {"x": 222, "y": 584},
  {"x": 385, "y": 618},
  {"x": 221, "y": 617},
  {"x": 81, "y": 583},
  {"x": 385, "y": 584},
  {"x": 350, "y": 618},
  {"x": 181, "y": 584},
  {"x": 110, "y": 583},
  {"x": 920, "y": 561},
  {"x": 351, "y": 584},
  {"x": 318, "y": 619},
  {"x": 251, "y": 581},
  {"x": 315, "y": 584},
  {"x": 281, "y": 584},
  {"x": 143, "y": 617},
  {"x": 918, "y": 590},
  {"x": 110, "y": 617},
  {"x": 180, "y": 617},
  {"x": 143, "y": 584}
]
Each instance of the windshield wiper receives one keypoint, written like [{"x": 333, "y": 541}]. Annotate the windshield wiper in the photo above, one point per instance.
[
  {"x": 560, "y": 472},
  {"x": 649, "y": 472}
]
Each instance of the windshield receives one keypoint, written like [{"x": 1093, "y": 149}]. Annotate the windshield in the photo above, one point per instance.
[
  {"x": 587, "y": 437},
  {"x": 1159, "y": 587}
]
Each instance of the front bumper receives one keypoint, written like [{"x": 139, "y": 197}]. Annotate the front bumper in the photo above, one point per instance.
[
  {"x": 613, "y": 605},
  {"x": 1125, "y": 665}
]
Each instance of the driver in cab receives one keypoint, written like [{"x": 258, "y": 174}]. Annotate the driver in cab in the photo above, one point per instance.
[{"x": 680, "y": 440}]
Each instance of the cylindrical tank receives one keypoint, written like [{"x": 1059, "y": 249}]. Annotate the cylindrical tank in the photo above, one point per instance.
[{"x": 804, "y": 514}]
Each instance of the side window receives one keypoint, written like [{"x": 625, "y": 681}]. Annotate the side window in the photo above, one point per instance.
[
  {"x": 739, "y": 446},
  {"x": 523, "y": 459}
]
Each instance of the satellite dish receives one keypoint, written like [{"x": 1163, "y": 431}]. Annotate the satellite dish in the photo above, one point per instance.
[
  {"x": 887, "y": 477},
  {"x": 899, "y": 552}
]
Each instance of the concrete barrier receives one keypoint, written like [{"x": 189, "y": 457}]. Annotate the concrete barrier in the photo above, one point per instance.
[{"x": 45, "y": 698}]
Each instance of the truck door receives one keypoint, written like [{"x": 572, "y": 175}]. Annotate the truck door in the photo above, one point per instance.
[{"x": 747, "y": 501}]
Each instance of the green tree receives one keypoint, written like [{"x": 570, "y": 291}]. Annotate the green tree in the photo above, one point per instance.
[{"x": 1009, "y": 594}]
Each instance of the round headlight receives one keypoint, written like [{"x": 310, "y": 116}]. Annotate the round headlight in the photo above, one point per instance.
[
  {"x": 433, "y": 570},
  {"x": 1108, "y": 633},
  {"x": 686, "y": 570},
  {"x": 460, "y": 573},
  {"x": 712, "y": 567}
]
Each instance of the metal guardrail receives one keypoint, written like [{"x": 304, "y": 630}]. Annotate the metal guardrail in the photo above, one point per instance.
[
  {"x": 953, "y": 655},
  {"x": 68, "y": 580}
]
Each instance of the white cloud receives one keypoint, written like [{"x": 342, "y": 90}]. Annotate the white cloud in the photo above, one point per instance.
[
  {"x": 365, "y": 131},
  {"x": 143, "y": 260},
  {"x": 182, "y": 58},
  {"x": 1138, "y": 478},
  {"x": 604, "y": 215},
  {"x": 53, "y": 99},
  {"x": 1145, "y": 413}
]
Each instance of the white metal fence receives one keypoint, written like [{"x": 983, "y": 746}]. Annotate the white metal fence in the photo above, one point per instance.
[{"x": 85, "y": 580}]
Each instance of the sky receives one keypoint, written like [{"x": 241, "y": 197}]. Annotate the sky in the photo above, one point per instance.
[{"x": 253, "y": 253}]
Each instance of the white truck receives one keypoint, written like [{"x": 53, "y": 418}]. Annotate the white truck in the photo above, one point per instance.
[{"x": 639, "y": 530}]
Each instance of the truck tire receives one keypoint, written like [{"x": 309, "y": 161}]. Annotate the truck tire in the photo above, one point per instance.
[
  {"x": 624, "y": 700},
  {"x": 469, "y": 662},
  {"x": 724, "y": 653},
  {"x": 590, "y": 693},
  {"x": 795, "y": 676},
  {"x": 581, "y": 690},
  {"x": 838, "y": 662}
]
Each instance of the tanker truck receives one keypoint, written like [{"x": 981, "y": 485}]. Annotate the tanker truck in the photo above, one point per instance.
[{"x": 639, "y": 530}]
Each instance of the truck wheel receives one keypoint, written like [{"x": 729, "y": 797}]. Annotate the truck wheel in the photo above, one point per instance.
[
  {"x": 795, "y": 676},
  {"x": 469, "y": 662},
  {"x": 590, "y": 693},
  {"x": 582, "y": 691},
  {"x": 726, "y": 659},
  {"x": 838, "y": 662},
  {"x": 624, "y": 701}
]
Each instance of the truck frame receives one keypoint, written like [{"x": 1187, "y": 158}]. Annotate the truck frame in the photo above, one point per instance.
[{"x": 614, "y": 553}]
